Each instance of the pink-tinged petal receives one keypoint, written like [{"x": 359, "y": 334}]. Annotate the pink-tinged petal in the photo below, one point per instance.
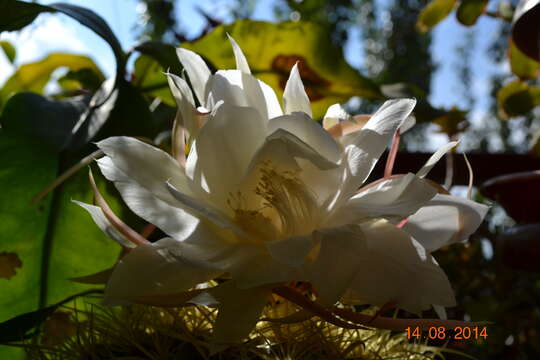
[
  {"x": 362, "y": 151},
  {"x": 115, "y": 221},
  {"x": 197, "y": 70},
  {"x": 295, "y": 98},
  {"x": 309, "y": 131},
  {"x": 155, "y": 269},
  {"x": 104, "y": 224},
  {"x": 445, "y": 220}
]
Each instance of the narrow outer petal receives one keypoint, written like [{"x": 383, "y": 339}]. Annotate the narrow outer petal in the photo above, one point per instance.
[
  {"x": 197, "y": 70},
  {"x": 294, "y": 95},
  {"x": 434, "y": 159},
  {"x": 241, "y": 62},
  {"x": 104, "y": 224},
  {"x": 445, "y": 220}
]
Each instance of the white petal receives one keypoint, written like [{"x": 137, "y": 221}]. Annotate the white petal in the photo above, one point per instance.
[
  {"x": 292, "y": 251},
  {"x": 309, "y": 131},
  {"x": 434, "y": 159},
  {"x": 335, "y": 114},
  {"x": 223, "y": 151},
  {"x": 186, "y": 105},
  {"x": 104, "y": 224},
  {"x": 241, "y": 62},
  {"x": 206, "y": 211},
  {"x": 174, "y": 221},
  {"x": 197, "y": 70},
  {"x": 238, "y": 88},
  {"x": 392, "y": 199},
  {"x": 154, "y": 269},
  {"x": 239, "y": 311},
  {"x": 445, "y": 220},
  {"x": 147, "y": 165},
  {"x": 408, "y": 124},
  {"x": 294, "y": 95},
  {"x": 395, "y": 267},
  {"x": 337, "y": 262},
  {"x": 363, "y": 150}
]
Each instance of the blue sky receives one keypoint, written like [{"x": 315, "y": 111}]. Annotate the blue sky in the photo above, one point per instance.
[{"x": 60, "y": 33}]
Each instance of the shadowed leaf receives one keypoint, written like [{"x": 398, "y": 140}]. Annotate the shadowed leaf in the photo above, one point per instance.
[{"x": 433, "y": 13}]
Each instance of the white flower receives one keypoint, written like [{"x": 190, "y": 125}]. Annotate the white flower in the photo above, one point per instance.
[{"x": 268, "y": 197}]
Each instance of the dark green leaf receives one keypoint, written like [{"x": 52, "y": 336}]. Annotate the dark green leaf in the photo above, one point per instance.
[
  {"x": 522, "y": 65},
  {"x": 19, "y": 327},
  {"x": 517, "y": 98},
  {"x": 433, "y": 13},
  {"x": 81, "y": 79},
  {"x": 164, "y": 54},
  {"x": 15, "y": 15},
  {"x": 9, "y": 50},
  {"x": 469, "y": 11},
  {"x": 272, "y": 50},
  {"x": 41, "y": 119}
]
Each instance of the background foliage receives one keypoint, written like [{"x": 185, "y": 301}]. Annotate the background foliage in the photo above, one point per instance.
[{"x": 45, "y": 242}]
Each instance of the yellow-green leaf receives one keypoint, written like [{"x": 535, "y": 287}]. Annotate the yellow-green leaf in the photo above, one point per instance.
[
  {"x": 522, "y": 65},
  {"x": 469, "y": 11},
  {"x": 9, "y": 50},
  {"x": 517, "y": 98},
  {"x": 434, "y": 13},
  {"x": 34, "y": 76},
  {"x": 149, "y": 77},
  {"x": 272, "y": 50}
]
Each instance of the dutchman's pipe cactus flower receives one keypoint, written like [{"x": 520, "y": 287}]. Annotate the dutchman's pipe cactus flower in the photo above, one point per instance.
[{"x": 267, "y": 197}]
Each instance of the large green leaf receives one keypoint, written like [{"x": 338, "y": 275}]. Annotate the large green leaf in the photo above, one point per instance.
[
  {"x": 517, "y": 98},
  {"x": 149, "y": 77},
  {"x": 14, "y": 15},
  {"x": 54, "y": 239},
  {"x": 469, "y": 11},
  {"x": 272, "y": 50},
  {"x": 43, "y": 120},
  {"x": 34, "y": 76},
  {"x": 522, "y": 65},
  {"x": 433, "y": 13}
]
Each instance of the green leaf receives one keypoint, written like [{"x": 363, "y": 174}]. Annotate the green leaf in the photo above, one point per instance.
[
  {"x": 469, "y": 11},
  {"x": 149, "y": 77},
  {"x": 43, "y": 120},
  {"x": 81, "y": 79},
  {"x": 272, "y": 50},
  {"x": 522, "y": 65},
  {"x": 34, "y": 76},
  {"x": 15, "y": 15},
  {"x": 433, "y": 13},
  {"x": 164, "y": 54},
  {"x": 9, "y": 50},
  {"x": 517, "y": 98}
]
